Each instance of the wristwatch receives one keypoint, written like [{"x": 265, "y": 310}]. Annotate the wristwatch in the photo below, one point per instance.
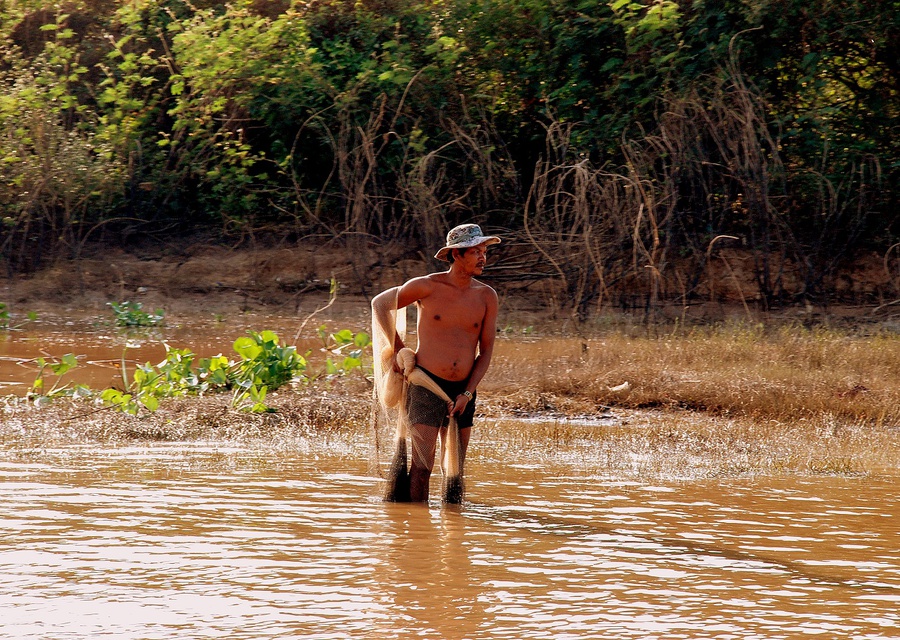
[{"x": 467, "y": 394}]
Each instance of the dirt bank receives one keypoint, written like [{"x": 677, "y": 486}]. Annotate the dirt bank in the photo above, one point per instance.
[{"x": 181, "y": 278}]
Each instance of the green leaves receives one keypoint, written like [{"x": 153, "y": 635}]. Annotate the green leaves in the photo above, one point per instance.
[
  {"x": 355, "y": 119},
  {"x": 132, "y": 314},
  {"x": 40, "y": 393},
  {"x": 6, "y": 318},
  {"x": 248, "y": 348},
  {"x": 124, "y": 402},
  {"x": 263, "y": 364},
  {"x": 344, "y": 350}
]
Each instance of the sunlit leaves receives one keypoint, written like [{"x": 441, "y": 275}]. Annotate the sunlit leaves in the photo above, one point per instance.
[
  {"x": 263, "y": 364},
  {"x": 42, "y": 392},
  {"x": 132, "y": 314}
]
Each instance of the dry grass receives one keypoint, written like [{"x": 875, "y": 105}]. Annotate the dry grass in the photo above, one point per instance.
[
  {"x": 786, "y": 374},
  {"x": 714, "y": 402},
  {"x": 338, "y": 414},
  {"x": 717, "y": 401},
  {"x": 684, "y": 445}
]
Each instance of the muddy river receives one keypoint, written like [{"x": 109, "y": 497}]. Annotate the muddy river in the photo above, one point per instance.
[
  {"x": 211, "y": 540},
  {"x": 199, "y": 541}
]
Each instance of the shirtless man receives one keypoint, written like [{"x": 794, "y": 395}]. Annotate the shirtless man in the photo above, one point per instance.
[{"x": 457, "y": 324}]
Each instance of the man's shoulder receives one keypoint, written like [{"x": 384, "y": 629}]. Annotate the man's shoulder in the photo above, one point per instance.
[
  {"x": 484, "y": 289},
  {"x": 420, "y": 286},
  {"x": 481, "y": 285},
  {"x": 431, "y": 280},
  {"x": 428, "y": 279}
]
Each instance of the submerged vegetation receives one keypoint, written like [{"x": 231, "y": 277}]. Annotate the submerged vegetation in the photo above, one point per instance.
[
  {"x": 132, "y": 314},
  {"x": 265, "y": 364}
]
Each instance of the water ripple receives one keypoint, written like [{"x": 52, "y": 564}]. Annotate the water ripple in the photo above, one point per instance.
[{"x": 159, "y": 542}]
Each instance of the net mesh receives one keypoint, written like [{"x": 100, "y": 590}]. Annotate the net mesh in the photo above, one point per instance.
[{"x": 390, "y": 391}]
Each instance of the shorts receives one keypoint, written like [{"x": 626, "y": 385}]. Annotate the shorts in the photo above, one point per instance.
[{"x": 423, "y": 407}]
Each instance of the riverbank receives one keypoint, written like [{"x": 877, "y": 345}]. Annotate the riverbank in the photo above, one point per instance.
[
  {"x": 798, "y": 393},
  {"x": 194, "y": 275},
  {"x": 618, "y": 442}
]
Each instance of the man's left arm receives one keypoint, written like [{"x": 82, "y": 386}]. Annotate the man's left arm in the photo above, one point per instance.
[{"x": 485, "y": 349}]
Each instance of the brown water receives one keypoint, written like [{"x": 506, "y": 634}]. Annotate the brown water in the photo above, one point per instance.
[
  {"x": 101, "y": 347},
  {"x": 194, "y": 540},
  {"x": 207, "y": 540}
]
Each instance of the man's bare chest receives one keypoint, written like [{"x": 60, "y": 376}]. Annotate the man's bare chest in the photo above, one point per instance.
[{"x": 465, "y": 313}]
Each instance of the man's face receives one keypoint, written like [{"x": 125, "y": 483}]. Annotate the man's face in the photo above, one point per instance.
[{"x": 474, "y": 259}]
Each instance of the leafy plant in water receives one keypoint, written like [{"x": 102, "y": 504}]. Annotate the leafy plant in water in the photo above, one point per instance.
[
  {"x": 6, "y": 318},
  {"x": 251, "y": 397},
  {"x": 264, "y": 364},
  {"x": 57, "y": 367},
  {"x": 171, "y": 378},
  {"x": 132, "y": 314},
  {"x": 124, "y": 402},
  {"x": 336, "y": 344},
  {"x": 266, "y": 361}
]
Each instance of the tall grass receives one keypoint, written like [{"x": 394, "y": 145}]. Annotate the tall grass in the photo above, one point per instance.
[
  {"x": 713, "y": 401},
  {"x": 784, "y": 374}
]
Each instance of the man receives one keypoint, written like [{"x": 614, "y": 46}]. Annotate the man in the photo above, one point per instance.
[{"x": 457, "y": 324}]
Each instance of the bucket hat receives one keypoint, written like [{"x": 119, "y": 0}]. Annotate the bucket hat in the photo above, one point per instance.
[{"x": 463, "y": 236}]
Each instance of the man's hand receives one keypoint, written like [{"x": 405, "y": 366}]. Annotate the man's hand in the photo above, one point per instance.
[
  {"x": 457, "y": 407},
  {"x": 404, "y": 361}
]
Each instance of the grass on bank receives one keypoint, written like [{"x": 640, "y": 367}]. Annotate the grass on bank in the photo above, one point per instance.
[
  {"x": 783, "y": 374},
  {"x": 714, "y": 402}
]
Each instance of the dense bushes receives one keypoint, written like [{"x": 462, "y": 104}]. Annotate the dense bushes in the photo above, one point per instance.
[{"x": 617, "y": 138}]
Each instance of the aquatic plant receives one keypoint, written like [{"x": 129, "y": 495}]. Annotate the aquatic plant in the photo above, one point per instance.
[
  {"x": 6, "y": 318},
  {"x": 57, "y": 367},
  {"x": 264, "y": 364},
  {"x": 335, "y": 344},
  {"x": 132, "y": 314}
]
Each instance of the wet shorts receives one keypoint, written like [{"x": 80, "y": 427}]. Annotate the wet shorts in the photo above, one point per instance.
[{"x": 424, "y": 407}]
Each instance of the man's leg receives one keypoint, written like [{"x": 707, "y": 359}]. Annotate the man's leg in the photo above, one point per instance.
[
  {"x": 463, "y": 443},
  {"x": 424, "y": 440}
]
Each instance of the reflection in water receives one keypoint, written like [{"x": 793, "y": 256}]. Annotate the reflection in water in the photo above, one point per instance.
[
  {"x": 428, "y": 574},
  {"x": 189, "y": 541}
]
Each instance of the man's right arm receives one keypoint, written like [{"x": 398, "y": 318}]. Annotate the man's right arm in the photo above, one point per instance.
[
  {"x": 413, "y": 291},
  {"x": 410, "y": 292}
]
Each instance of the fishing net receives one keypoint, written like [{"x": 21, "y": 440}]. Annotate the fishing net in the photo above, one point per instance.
[{"x": 389, "y": 406}]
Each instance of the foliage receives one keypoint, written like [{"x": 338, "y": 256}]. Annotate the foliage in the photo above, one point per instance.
[
  {"x": 40, "y": 393},
  {"x": 59, "y": 177},
  {"x": 6, "y": 318},
  {"x": 335, "y": 344},
  {"x": 264, "y": 364},
  {"x": 132, "y": 314},
  {"x": 390, "y": 121}
]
